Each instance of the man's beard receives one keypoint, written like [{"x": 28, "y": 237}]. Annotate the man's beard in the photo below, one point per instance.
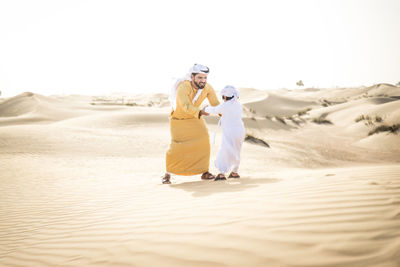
[{"x": 199, "y": 86}]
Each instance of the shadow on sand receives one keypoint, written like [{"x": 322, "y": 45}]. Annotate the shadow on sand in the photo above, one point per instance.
[{"x": 206, "y": 188}]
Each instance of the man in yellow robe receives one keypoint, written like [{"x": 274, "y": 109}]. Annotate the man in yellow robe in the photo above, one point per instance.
[{"x": 189, "y": 151}]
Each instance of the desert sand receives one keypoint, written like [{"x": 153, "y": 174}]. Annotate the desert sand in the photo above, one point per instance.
[{"x": 81, "y": 183}]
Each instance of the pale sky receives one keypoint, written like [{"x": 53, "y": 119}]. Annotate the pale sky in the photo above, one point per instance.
[{"x": 97, "y": 47}]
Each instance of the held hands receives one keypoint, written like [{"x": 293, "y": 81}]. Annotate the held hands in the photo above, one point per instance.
[{"x": 203, "y": 112}]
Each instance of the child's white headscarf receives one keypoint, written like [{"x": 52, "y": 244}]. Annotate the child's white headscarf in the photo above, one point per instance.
[
  {"x": 230, "y": 91},
  {"x": 197, "y": 68}
]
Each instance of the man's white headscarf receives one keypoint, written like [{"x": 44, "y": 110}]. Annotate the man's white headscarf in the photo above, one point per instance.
[
  {"x": 230, "y": 91},
  {"x": 197, "y": 68}
]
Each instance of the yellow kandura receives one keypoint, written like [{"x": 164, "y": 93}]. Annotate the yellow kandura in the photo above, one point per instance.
[{"x": 189, "y": 151}]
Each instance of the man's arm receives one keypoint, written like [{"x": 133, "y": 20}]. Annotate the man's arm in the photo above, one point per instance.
[
  {"x": 212, "y": 97},
  {"x": 183, "y": 100}
]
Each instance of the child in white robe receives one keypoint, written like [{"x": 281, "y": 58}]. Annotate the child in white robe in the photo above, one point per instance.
[{"x": 233, "y": 133}]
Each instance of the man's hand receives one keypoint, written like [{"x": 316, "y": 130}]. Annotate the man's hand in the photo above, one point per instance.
[{"x": 203, "y": 112}]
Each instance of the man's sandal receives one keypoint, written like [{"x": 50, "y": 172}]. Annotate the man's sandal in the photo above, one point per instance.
[
  {"x": 166, "y": 179},
  {"x": 234, "y": 175},
  {"x": 220, "y": 177},
  {"x": 207, "y": 176}
]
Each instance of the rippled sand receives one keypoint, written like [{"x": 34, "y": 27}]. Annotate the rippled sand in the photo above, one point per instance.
[{"x": 84, "y": 190}]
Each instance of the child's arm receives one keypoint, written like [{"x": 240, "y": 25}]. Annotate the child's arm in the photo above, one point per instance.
[{"x": 215, "y": 110}]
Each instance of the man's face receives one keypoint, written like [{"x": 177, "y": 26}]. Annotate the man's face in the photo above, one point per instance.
[{"x": 200, "y": 80}]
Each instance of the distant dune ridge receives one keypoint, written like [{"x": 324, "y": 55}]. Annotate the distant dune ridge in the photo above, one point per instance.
[{"x": 320, "y": 185}]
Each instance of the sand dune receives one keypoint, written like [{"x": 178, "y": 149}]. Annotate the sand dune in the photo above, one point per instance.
[
  {"x": 275, "y": 105},
  {"x": 81, "y": 183},
  {"x": 34, "y": 108},
  {"x": 123, "y": 118},
  {"x": 344, "y": 94}
]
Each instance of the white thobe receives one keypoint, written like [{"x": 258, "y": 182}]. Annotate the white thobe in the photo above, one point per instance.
[{"x": 233, "y": 132}]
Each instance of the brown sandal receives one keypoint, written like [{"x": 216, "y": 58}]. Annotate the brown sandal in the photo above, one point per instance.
[
  {"x": 166, "y": 179},
  {"x": 207, "y": 176},
  {"x": 220, "y": 177},
  {"x": 234, "y": 175}
]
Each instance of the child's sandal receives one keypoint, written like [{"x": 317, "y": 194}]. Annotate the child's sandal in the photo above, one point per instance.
[
  {"x": 220, "y": 177},
  {"x": 234, "y": 175}
]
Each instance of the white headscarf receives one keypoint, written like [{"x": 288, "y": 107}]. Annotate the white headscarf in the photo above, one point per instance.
[
  {"x": 230, "y": 91},
  {"x": 197, "y": 68}
]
